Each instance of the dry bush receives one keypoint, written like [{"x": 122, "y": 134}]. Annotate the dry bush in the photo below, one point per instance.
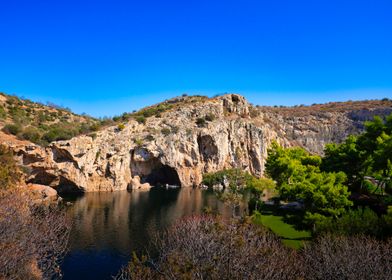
[
  {"x": 9, "y": 173},
  {"x": 209, "y": 248},
  {"x": 33, "y": 238},
  {"x": 356, "y": 257}
]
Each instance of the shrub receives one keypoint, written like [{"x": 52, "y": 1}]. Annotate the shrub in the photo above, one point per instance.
[
  {"x": 93, "y": 135},
  {"x": 235, "y": 178},
  {"x": 33, "y": 238},
  {"x": 140, "y": 119},
  {"x": 12, "y": 128},
  {"x": 210, "y": 117},
  {"x": 356, "y": 222},
  {"x": 3, "y": 113},
  {"x": 57, "y": 133},
  {"x": 165, "y": 131},
  {"x": 138, "y": 142},
  {"x": 31, "y": 134},
  {"x": 205, "y": 247},
  {"x": 175, "y": 129},
  {"x": 116, "y": 118},
  {"x": 9, "y": 174},
  {"x": 120, "y": 126},
  {"x": 200, "y": 122},
  {"x": 338, "y": 257},
  {"x": 150, "y": 137}
]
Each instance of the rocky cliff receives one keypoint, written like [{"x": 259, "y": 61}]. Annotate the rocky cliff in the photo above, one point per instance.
[{"x": 180, "y": 144}]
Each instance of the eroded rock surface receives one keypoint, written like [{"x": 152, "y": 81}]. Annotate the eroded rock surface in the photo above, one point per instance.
[{"x": 176, "y": 149}]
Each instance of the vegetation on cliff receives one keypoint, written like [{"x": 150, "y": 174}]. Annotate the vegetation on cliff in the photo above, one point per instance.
[{"x": 42, "y": 124}]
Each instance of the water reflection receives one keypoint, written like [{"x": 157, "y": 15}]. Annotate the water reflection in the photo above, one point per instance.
[{"x": 107, "y": 227}]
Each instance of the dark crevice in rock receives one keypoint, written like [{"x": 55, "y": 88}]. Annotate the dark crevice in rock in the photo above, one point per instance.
[
  {"x": 40, "y": 176},
  {"x": 67, "y": 186},
  {"x": 60, "y": 155},
  {"x": 207, "y": 148}
]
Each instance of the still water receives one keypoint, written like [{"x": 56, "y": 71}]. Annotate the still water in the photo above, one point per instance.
[{"x": 109, "y": 226}]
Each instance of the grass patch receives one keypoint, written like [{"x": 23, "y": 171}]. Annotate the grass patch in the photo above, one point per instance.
[{"x": 290, "y": 236}]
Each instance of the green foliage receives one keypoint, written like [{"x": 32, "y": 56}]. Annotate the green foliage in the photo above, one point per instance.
[
  {"x": 18, "y": 115},
  {"x": 321, "y": 193},
  {"x": 258, "y": 185},
  {"x": 285, "y": 165},
  {"x": 3, "y": 113},
  {"x": 357, "y": 222},
  {"x": 138, "y": 142},
  {"x": 12, "y": 128},
  {"x": 346, "y": 157},
  {"x": 120, "y": 126},
  {"x": 59, "y": 132},
  {"x": 140, "y": 119},
  {"x": 369, "y": 154},
  {"x": 43, "y": 124},
  {"x": 235, "y": 178},
  {"x": 142, "y": 115},
  {"x": 299, "y": 177},
  {"x": 32, "y": 134}
]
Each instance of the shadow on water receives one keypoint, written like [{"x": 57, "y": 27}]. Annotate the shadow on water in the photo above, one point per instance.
[{"x": 108, "y": 226}]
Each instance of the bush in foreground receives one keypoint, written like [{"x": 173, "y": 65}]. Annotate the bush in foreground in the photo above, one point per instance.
[
  {"x": 33, "y": 238},
  {"x": 351, "y": 258},
  {"x": 210, "y": 248},
  {"x": 207, "y": 247}
]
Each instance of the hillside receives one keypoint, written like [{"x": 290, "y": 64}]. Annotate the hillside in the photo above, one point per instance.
[
  {"x": 40, "y": 123},
  {"x": 177, "y": 141}
]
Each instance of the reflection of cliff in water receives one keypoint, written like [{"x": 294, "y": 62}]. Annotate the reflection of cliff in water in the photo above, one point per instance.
[{"x": 108, "y": 226}]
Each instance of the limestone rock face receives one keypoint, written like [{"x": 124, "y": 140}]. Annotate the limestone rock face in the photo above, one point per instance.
[{"x": 175, "y": 149}]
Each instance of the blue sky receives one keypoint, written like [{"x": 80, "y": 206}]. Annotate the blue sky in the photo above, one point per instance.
[{"x": 109, "y": 57}]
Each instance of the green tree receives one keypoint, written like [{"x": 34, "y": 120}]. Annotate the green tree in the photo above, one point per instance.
[
  {"x": 347, "y": 157},
  {"x": 368, "y": 154},
  {"x": 323, "y": 194},
  {"x": 298, "y": 177}
]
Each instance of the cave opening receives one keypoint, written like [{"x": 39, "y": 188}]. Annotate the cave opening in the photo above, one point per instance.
[
  {"x": 162, "y": 175},
  {"x": 66, "y": 186}
]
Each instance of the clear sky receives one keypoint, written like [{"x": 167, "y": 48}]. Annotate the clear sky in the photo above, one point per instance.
[{"x": 108, "y": 57}]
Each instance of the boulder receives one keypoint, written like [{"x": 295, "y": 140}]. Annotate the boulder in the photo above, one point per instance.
[
  {"x": 136, "y": 185},
  {"x": 43, "y": 193}
]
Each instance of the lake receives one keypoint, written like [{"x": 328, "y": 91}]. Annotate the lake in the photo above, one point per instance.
[{"x": 109, "y": 226}]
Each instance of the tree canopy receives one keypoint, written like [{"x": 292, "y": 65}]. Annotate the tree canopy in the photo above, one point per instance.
[
  {"x": 367, "y": 154},
  {"x": 299, "y": 177}
]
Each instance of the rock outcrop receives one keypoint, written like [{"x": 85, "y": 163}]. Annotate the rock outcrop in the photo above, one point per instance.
[
  {"x": 43, "y": 194},
  {"x": 178, "y": 146}
]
